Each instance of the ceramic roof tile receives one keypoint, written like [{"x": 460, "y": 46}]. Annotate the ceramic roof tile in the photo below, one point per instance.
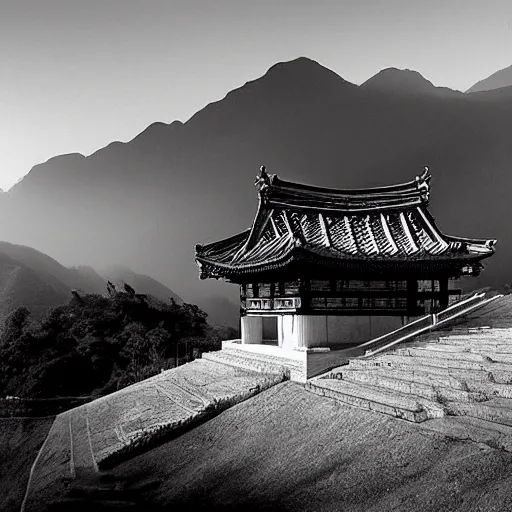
[{"x": 371, "y": 225}]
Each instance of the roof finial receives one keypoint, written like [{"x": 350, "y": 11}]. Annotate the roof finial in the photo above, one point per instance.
[
  {"x": 262, "y": 180},
  {"x": 422, "y": 183}
]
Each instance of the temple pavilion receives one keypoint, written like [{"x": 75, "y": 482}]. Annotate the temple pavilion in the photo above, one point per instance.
[{"x": 321, "y": 267}]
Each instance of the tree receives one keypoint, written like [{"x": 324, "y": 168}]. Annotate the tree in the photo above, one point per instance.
[{"x": 97, "y": 344}]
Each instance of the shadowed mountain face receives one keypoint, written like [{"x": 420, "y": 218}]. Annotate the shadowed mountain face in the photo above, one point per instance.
[
  {"x": 146, "y": 203},
  {"x": 502, "y": 78}
]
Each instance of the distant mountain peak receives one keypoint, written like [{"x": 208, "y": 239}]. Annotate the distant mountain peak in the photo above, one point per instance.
[
  {"x": 404, "y": 81},
  {"x": 498, "y": 80},
  {"x": 303, "y": 68}
]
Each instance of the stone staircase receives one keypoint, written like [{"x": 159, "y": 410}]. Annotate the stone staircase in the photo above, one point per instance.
[
  {"x": 294, "y": 369},
  {"x": 461, "y": 378}
]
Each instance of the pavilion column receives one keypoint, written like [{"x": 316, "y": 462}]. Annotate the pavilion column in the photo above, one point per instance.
[
  {"x": 252, "y": 329},
  {"x": 311, "y": 331},
  {"x": 287, "y": 331}
]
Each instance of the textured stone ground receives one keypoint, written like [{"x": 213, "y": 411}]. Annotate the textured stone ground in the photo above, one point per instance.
[
  {"x": 287, "y": 449},
  {"x": 134, "y": 419}
]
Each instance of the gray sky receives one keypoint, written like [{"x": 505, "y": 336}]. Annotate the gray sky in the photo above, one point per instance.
[{"x": 78, "y": 74}]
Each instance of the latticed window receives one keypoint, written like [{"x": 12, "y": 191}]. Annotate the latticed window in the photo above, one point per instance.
[
  {"x": 291, "y": 288},
  {"x": 320, "y": 286},
  {"x": 265, "y": 289}
]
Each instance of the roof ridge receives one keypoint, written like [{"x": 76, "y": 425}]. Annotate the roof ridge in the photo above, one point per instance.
[{"x": 275, "y": 192}]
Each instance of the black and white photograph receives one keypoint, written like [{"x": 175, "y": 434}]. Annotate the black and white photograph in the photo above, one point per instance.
[{"x": 256, "y": 255}]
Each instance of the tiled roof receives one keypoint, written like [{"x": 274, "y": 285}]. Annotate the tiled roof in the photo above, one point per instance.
[{"x": 298, "y": 222}]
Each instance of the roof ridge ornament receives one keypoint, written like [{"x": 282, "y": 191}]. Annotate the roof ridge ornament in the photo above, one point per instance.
[
  {"x": 423, "y": 184},
  {"x": 262, "y": 180}
]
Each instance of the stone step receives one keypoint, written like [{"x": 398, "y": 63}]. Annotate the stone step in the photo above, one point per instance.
[
  {"x": 441, "y": 347},
  {"x": 246, "y": 363},
  {"x": 490, "y": 389},
  {"x": 441, "y": 361},
  {"x": 442, "y": 378},
  {"x": 431, "y": 390},
  {"x": 261, "y": 356},
  {"x": 472, "y": 381},
  {"x": 392, "y": 403},
  {"x": 498, "y": 410},
  {"x": 494, "y": 372},
  {"x": 497, "y": 345},
  {"x": 294, "y": 370},
  {"x": 490, "y": 335},
  {"x": 431, "y": 352},
  {"x": 498, "y": 348},
  {"x": 451, "y": 352},
  {"x": 276, "y": 361},
  {"x": 495, "y": 351},
  {"x": 292, "y": 364}
]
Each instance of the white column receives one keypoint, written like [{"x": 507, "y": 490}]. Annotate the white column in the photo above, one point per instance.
[
  {"x": 311, "y": 331},
  {"x": 287, "y": 331},
  {"x": 252, "y": 329}
]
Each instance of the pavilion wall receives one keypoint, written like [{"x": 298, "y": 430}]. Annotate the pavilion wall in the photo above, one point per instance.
[{"x": 309, "y": 331}]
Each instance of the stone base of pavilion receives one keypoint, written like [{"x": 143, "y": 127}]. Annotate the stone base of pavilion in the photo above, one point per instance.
[{"x": 298, "y": 364}]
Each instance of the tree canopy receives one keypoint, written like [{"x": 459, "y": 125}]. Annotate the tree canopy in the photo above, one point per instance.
[{"x": 97, "y": 344}]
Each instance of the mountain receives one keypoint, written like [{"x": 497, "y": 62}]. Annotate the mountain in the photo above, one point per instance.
[
  {"x": 498, "y": 80},
  {"x": 33, "y": 279},
  {"x": 84, "y": 279},
  {"x": 144, "y": 204},
  {"x": 405, "y": 81},
  {"x": 23, "y": 286},
  {"x": 120, "y": 275},
  {"x": 503, "y": 94}
]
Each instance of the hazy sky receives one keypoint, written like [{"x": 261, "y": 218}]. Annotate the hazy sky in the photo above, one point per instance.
[{"x": 78, "y": 74}]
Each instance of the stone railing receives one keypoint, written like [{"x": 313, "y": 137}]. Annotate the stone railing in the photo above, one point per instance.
[{"x": 424, "y": 324}]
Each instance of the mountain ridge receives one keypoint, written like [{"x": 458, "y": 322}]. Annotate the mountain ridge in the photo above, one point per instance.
[
  {"x": 499, "y": 79},
  {"x": 405, "y": 81},
  {"x": 146, "y": 203},
  {"x": 33, "y": 279}
]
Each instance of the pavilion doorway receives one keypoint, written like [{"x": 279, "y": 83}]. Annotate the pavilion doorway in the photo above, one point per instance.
[{"x": 269, "y": 329}]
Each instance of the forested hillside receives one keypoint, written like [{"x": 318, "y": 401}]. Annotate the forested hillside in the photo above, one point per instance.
[{"x": 97, "y": 344}]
